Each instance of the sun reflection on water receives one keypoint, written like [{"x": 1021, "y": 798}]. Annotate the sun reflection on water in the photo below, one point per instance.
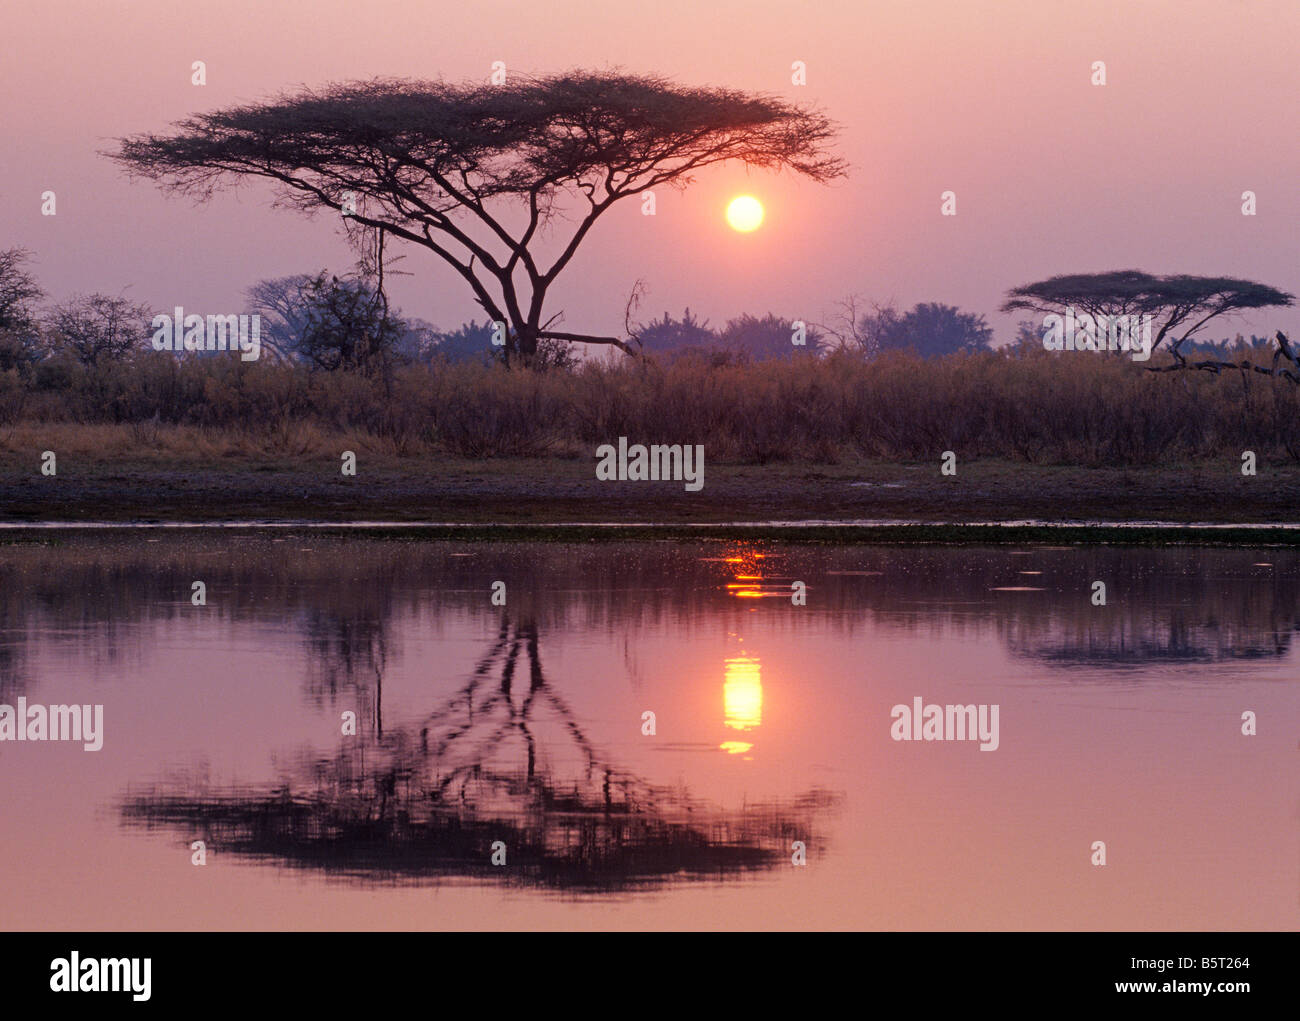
[{"x": 742, "y": 700}]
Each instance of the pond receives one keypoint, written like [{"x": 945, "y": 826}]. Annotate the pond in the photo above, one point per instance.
[{"x": 359, "y": 732}]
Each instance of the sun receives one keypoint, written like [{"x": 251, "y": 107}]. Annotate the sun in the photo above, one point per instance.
[{"x": 745, "y": 213}]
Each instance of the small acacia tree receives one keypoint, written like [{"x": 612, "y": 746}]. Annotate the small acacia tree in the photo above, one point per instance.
[
  {"x": 1181, "y": 304},
  {"x": 94, "y": 328},
  {"x": 481, "y": 175}
]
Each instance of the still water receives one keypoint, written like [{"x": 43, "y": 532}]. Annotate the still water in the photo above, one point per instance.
[{"x": 520, "y": 732}]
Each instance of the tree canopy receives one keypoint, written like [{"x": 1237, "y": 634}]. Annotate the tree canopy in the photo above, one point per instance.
[{"x": 479, "y": 174}]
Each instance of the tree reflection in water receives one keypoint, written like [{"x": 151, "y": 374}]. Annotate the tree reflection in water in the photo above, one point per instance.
[{"x": 504, "y": 759}]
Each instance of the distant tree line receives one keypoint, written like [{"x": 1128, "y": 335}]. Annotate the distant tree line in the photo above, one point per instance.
[
  {"x": 331, "y": 323},
  {"x": 321, "y": 321},
  {"x": 928, "y": 329}
]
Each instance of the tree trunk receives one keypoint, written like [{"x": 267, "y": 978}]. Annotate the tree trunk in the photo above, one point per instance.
[{"x": 527, "y": 341}]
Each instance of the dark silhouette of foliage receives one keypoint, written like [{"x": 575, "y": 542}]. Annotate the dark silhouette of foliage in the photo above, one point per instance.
[
  {"x": 675, "y": 336},
  {"x": 469, "y": 342},
  {"x": 18, "y": 290},
  {"x": 96, "y": 327},
  {"x": 344, "y": 324},
  {"x": 19, "y": 322},
  {"x": 930, "y": 329},
  {"x": 771, "y": 336}
]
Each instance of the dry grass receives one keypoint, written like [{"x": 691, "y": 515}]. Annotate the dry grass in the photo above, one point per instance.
[{"x": 1040, "y": 407}]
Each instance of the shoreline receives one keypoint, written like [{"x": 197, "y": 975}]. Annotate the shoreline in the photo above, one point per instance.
[
  {"x": 830, "y": 533},
  {"x": 543, "y": 498}
]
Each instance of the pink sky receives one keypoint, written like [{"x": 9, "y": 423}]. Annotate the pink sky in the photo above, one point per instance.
[{"x": 990, "y": 100}]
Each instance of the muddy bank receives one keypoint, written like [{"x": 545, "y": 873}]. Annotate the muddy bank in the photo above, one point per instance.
[{"x": 550, "y": 491}]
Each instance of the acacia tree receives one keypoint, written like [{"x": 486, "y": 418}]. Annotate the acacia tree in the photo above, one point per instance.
[
  {"x": 487, "y": 176},
  {"x": 98, "y": 327},
  {"x": 1181, "y": 304}
]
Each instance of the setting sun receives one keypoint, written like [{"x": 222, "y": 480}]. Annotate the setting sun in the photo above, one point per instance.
[{"x": 745, "y": 213}]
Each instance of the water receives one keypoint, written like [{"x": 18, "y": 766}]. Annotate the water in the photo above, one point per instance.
[{"x": 522, "y": 723}]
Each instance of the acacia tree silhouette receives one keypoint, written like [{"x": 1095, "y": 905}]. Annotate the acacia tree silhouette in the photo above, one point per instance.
[
  {"x": 452, "y": 167},
  {"x": 1180, "y": 303}
]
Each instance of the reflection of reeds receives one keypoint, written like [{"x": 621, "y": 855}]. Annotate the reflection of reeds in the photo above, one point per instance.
[
  {"x": 106, "y": 595},
  {"x": 430, "y": 801},
  {"x": 1109, "y": 643}
]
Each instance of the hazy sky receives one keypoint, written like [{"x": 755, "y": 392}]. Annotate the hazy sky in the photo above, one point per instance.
[{"x": 992, "y": 100}]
